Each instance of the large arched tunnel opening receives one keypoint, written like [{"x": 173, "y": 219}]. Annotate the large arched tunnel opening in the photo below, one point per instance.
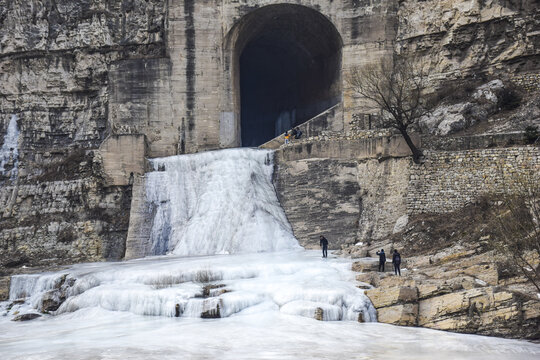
[{"x": 290, "y": 69}]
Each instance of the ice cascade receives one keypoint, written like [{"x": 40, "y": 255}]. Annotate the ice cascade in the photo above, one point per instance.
[
  {"x": 217, "y": 202},
  {"x": 231, "y": 253},
  {"x": 9, "y": 153}
]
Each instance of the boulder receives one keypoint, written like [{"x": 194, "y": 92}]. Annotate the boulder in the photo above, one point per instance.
[
  {"x": 51, "y": 301},
  {"x": 453, "y": 122},
  {"x": 371, "y": 278},
  {"x": 445, "y": 119},
  {"x": 400, "y": 224},
  {"x": 372, "y": 264},
  {"x": 404, "y": 315},
  {"x": 319, "y": 314},
  {"x": 26, "y": 317},
  {"x": 487, "y": 92},
  {"x": 383, "y": 297}
]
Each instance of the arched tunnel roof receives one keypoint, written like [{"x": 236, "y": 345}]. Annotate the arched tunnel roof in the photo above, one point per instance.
[
  {"x": 300, "y": 24},
  {"x": 287, "y": 59}
]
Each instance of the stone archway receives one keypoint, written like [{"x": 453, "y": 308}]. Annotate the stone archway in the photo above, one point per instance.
[{"x": 286, "y": 68}]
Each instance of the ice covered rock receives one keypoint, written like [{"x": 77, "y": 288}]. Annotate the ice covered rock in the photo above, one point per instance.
[{"x": 26, "y": 317}]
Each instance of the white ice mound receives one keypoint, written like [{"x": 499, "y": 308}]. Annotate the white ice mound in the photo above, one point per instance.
[
  {"x": 292, "y": 283},
  {"x": 218, "y": 202}
]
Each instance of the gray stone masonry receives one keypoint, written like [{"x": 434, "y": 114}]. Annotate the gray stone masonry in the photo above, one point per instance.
[{"x": 448, "y": 180}]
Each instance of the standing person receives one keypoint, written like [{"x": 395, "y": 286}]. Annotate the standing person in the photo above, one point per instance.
[
  {"x": 287, "y": 137},
  {"x": 396, "y": 260},
  {"x": 382, "y": 259},
  {"x": 324, "y": 243}
]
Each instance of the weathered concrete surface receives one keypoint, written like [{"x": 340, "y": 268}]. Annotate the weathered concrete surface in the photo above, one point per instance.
[
  {"x": 320, "y": 197},
  {"x": 141, "y": 101},
  {"x": 141, "y": 218},
  {"x": 123, "y": 157},
  {"x": 384, "y": 191},
  {"x": 330, "y": 120}
]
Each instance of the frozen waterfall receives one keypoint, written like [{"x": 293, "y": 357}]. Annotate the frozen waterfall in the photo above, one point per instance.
[
  {"x": 231, "y": 250},
  {"x": 217, "y": 202},
  {"x": 9, "y": 153}
]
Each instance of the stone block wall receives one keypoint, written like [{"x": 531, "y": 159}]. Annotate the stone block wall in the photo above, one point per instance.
[
  {"x": 458, "y": 143},
  {"x": 529, "y": 82},
  {"x": 448, "y": 180}
]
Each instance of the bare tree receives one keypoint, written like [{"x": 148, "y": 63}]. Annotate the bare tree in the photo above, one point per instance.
[
  {"x": 397, "y": 89},
  {"x": 517, "y": 236}
]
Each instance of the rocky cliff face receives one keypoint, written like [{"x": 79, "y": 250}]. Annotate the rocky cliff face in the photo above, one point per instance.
[
  {"x": 470, "y": 38},
  {"x": 55, "y": 58},
  {"x": 451, "y": 280}
]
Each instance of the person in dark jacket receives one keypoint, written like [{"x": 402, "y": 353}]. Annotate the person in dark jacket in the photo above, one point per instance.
[
  {"x": 396, "y": 260},
  {"x": 324, "y": 244},
  {"x": 294, "y": 132},
  {"x": 382, "y": 259}
]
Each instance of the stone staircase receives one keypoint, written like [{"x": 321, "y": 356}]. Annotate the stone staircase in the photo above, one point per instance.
[{"x": 330, "y": 120}]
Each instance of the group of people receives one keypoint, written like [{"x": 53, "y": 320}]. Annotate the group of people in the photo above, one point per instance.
[
  {"x": 396, "y": 256},
  {"x": 396, "y": 261},
  {"x": 294, "y": 133}
]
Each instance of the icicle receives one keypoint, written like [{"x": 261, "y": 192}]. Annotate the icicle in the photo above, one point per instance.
[{"x": 9, "y": 153}]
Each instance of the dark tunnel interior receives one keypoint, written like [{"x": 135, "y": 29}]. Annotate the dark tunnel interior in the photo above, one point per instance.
[{"x": 289, "y": 70}]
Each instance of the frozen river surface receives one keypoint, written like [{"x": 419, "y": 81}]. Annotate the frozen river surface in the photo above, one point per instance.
[{"x": 268, "y": 314}]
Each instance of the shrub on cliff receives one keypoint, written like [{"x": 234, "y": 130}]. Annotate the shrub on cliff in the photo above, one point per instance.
[
  {"x": 531, "y": 134},
  {"x": 397, "y": 88},
  {"x": 509, "y": 98},
  {"x": 517, "y": 224}
]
